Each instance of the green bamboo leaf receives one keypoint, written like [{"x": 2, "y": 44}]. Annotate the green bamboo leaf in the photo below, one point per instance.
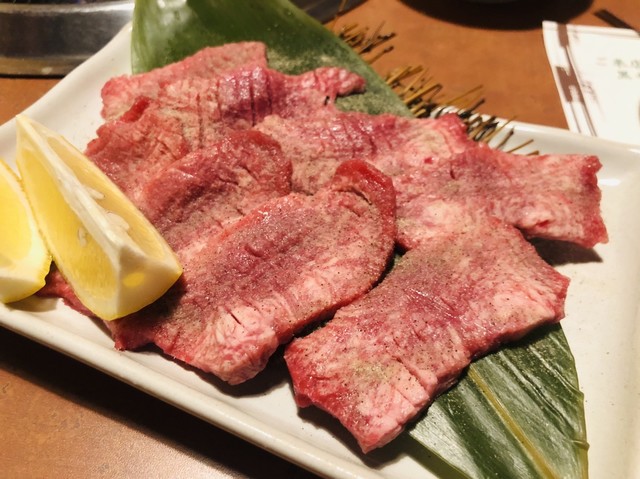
[{"x": 516, "y": 413}]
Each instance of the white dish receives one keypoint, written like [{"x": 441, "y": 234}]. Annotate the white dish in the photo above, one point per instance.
[{"x": 602, "y": 313}]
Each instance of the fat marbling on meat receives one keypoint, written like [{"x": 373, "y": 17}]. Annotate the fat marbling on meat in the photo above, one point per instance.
[
  {"x": 545, "y": 196},
  {"x": 394, "y": 144},
  {"x": 119, "y": 93},
  {"x": 209, "y": 189}
]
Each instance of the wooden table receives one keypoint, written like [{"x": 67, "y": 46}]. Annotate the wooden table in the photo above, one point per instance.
[{"x": 59, "y": 418}]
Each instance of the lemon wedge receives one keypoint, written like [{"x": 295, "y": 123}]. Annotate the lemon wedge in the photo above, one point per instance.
[
  {"x": 24, "y": 259},
  {"x": 109, "y": 253}
]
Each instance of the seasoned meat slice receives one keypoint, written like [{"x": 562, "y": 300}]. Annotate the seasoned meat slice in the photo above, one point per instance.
[
  {"x": 289, "y": 262},
  {"x": 119, "y": 93},
  {"x": 395, "y": 145},
  {"x": 190, "y": 113},
  {"x": 545, "y": 196},
  {"x": 384, "y": 358},
  {"x": 209, "y": 189}
]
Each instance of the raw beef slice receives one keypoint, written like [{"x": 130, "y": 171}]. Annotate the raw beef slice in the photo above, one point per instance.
[
  {"x": 211, "y": 188},
  {"x": 291, "y": 261},
  {"x": 454, "y": 297},
  {"x": 545, "y": 196},
  {"x": 393, "y": 144},
  {"x": 119, "y": 93}
]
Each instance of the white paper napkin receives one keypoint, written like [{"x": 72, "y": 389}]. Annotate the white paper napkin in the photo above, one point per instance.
[{"x": 597, "y": 72}]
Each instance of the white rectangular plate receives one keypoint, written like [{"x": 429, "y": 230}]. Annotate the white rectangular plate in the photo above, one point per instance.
[{"x": 602, "y": 313}]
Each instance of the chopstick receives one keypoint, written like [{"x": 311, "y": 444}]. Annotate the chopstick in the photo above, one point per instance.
[{"x": 614, "y": 20}]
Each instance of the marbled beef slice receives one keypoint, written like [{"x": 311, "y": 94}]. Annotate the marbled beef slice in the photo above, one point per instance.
[
  {"x": 393, "y": 144},
  {"x": 293, "y": 260},
  {"x": 545, "y": 196},
  {"x": 119, "y": 93},
  {"x": 382, "y": 359},
  {"x": 209, "y": 189}
]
